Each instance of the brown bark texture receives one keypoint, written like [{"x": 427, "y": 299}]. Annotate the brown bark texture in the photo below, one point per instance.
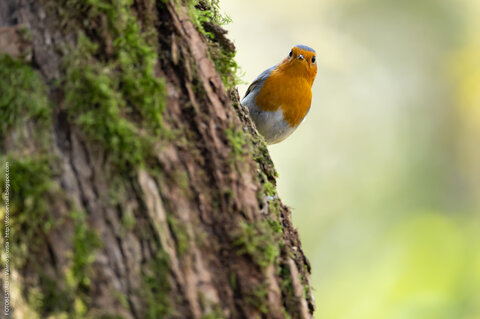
[{"x": 137, "y": 189}]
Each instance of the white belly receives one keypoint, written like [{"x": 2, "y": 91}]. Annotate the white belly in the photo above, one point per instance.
[{"x": 271, "y": 125}]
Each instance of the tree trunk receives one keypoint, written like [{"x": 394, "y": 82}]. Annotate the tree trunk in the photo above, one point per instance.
[{"x": 137, "y": 186}]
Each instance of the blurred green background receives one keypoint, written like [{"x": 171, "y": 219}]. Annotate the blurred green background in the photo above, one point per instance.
[{"x": 384, "y": 174}]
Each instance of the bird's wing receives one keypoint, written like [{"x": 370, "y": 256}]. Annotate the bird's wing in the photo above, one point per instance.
[{"x": 258, "y": 82}]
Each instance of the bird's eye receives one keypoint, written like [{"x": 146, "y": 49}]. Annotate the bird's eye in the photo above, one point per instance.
[
  {"x": 314, "y": 59},
  {"x": 290, "y": 54}
]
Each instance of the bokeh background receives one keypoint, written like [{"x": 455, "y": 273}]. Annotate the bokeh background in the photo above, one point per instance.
[{"x": 384, "y": 174}]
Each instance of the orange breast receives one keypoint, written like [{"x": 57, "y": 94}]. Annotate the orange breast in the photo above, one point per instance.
[{"x": 292, "y": 94}]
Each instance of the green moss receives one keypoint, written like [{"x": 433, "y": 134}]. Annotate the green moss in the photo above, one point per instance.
[
  {"x": 275, "y": 225},
  {"x": 110, "y": 316},
  {"x": 98, "y": 102},
  {"x": 54, "y": 295},
  {"x": 117, "y": 101},
  {"x": 182, "y": 180},
  {"x": 23, "y": 95},
  {"x": 290, "y": 301},
  {"x": 225, "y": 64},
  {"x": 238, "y": 142},
  {"x": 85, "y": 242},
  {"x": 212, "y": 310},
  {"x": 262, "y": 158},
  {"x": 258, "y": 297},
  {"x": 122, "y": 298},
  {"x": 207, "y": 12},
  {"x": 116, "y": 191},
  {"x": 48, "y": 297},
  {"x": 232, "y": 278},
  {"x": 180, "y": 235},
  {"x": 261, "y": 154},
  {"x": 128, "y": 219},
  {"x": 31, "y": 188},
  {"x": 259, "y": 241},
  {"x": 30, "y": 185},
  {"x": 274, "y": 206},
  {"x": 286, "y": 284},
  {"x": 216, "y": 313},
  {"x": 155, "y": 286},
  {"x": 306, "y": 288},
  {"x": 286, "y": 315},
  {"x": 270, "y": 189},
  {"x": 68, "y": 292},
  {"x": 117, "y": 194}
]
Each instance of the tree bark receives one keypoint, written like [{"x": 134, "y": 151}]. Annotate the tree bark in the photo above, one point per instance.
[{"x": 139, "y": 188}]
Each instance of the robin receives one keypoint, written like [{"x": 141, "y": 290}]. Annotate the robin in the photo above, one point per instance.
[{"x": 280, "y": 97}]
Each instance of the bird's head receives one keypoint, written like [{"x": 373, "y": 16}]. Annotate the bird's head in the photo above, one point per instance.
[{"x": 301, "y": 61}]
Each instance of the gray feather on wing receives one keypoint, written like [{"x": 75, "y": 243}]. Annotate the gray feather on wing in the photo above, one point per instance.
[{"x": 259, "y": 80}]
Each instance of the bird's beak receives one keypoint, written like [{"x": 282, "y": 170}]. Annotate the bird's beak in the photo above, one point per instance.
[{"x": 300, "y": 57}]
